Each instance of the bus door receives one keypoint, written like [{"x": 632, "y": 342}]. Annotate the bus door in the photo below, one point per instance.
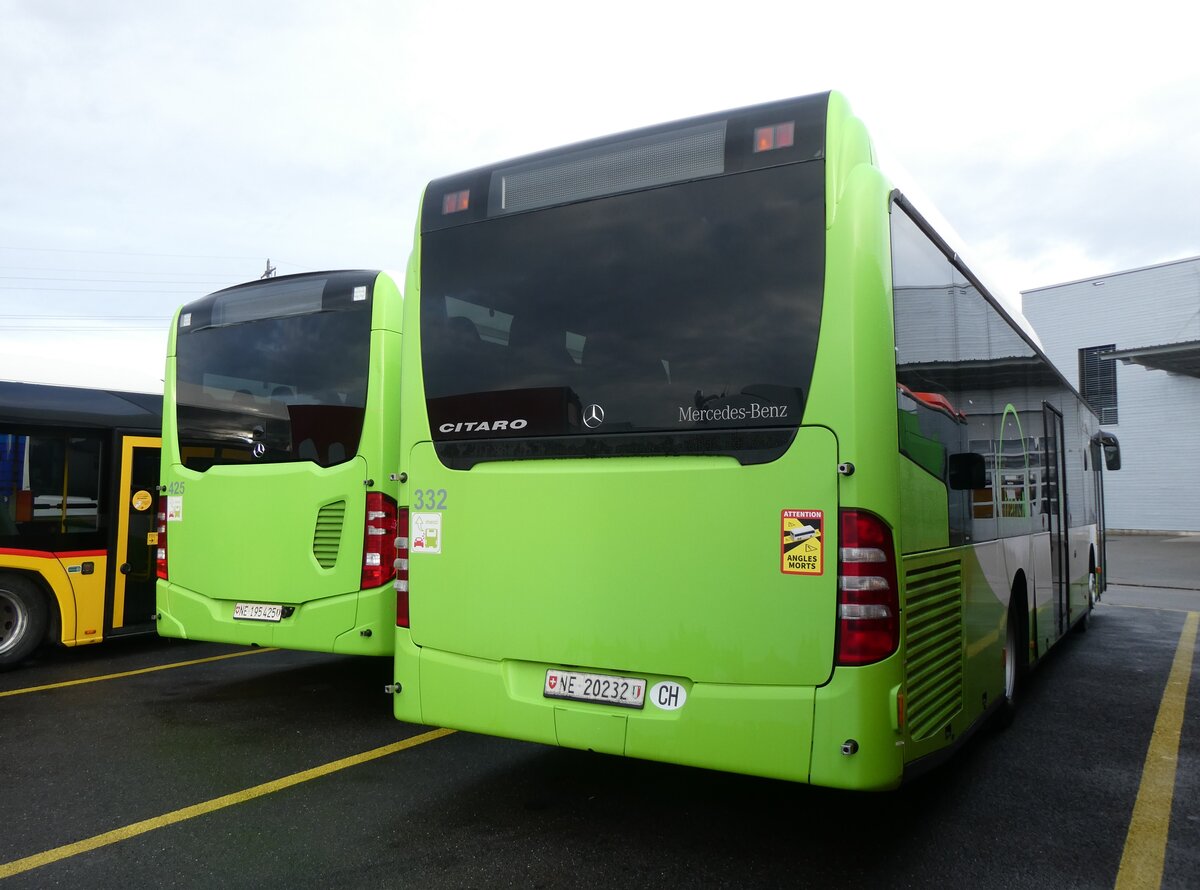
[
  {"x": 1097, "y": 457},
  {"x": 133, "y": 575},
  {"x": 1054, "y": 505}
]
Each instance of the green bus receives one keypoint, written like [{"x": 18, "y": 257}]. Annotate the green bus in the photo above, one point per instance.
[
  {"x": 78, "y": 470},
  {"x": 715, "y": 452},
  {"x": 277, "y": 522}
]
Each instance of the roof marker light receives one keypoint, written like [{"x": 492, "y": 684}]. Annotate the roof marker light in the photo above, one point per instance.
[
  {"x": 456, "y": 202},
  {"x": 775, "y": 136}
]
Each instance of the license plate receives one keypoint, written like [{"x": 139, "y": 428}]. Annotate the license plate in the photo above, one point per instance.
[
  {"x": 257, "y": 612},
  {"x": 628, "y": 692}
]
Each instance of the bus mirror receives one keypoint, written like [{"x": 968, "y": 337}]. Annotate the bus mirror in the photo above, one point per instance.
[
  {"x": 967, "y": 471},
  {"x": 1112, "y": 451}
]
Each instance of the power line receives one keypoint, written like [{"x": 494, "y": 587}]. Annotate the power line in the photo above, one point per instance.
[
  {"x": 98, "y": 325},
  {"x": 172, "y": 256},
  {"x": 97, "y": 271},
  {"x": 86, "y": 317},
  {"x": 108, "y": 290},
  {"x": 104, "y": 280},
  {"x": 89, "y": 329}
]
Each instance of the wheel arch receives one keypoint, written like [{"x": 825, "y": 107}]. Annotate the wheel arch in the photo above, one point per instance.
[
  {"x": 51, "y": 597},
  {"x": 25, "y": 612},
  {"x": 1019, "y": 596}
]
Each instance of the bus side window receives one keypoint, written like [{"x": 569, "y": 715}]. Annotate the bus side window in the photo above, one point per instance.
[{"x": 12, "y": 463}]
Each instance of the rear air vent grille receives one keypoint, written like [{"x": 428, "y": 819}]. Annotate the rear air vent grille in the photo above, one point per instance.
[
  {"x": 328, "y": 535},
  {"x": 933, "y": 636}
]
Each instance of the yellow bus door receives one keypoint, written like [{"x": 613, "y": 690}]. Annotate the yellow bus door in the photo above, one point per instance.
[{"x": 133, "y": 559}]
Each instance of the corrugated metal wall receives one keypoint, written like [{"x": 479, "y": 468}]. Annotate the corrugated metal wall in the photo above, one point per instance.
[{"x": 1158, "y": 487}]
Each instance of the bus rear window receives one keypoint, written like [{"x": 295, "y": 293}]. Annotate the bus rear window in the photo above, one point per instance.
[
  {"x": 274, "y": 372},
  {"x": 675, "y": 320}
]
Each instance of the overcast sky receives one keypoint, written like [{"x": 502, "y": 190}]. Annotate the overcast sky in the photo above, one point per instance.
[{"x": 153, "y": 152}]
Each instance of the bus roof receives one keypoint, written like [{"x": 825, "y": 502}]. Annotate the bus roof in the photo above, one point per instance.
[{"x": 73, "y": 406}]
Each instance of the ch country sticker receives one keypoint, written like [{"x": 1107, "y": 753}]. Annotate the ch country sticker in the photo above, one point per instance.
[{"x": 802, "y": 542}]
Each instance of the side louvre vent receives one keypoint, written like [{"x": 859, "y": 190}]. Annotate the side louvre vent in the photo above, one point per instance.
[
  {"x": 934, "y": 658},
  {"x": 328, "y": 535}
]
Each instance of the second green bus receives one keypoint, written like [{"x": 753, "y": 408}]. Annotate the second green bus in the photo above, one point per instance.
[{"x": 278, "y": 509}]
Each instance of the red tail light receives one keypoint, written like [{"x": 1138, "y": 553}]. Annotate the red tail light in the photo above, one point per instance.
[
  {"x": 379, "y": 540},
  {"x": 868, "y": 596},
  {"x": 401, "y": 583},
  {"x": 160, "y": 553}
]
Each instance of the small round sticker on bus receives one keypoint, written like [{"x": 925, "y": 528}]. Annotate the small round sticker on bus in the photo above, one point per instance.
[
  {"x": 668, "y": 695},
  {"x": 142, "y": 501}
]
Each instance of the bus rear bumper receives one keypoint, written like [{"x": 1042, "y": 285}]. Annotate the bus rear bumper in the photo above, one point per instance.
[
  {"x": 758, "y": 730},
  {"x": 351, "y": 624}
]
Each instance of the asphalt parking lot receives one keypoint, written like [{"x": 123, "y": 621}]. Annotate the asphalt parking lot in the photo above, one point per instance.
[{"x": 163, "y": 763}]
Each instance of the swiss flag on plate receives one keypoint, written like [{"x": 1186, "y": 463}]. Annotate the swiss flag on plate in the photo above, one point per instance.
[{"x": 552, "y": 680}]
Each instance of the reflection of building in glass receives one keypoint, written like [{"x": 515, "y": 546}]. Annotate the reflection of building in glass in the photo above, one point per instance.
[
  {"x": 1130, "y": 342},
  {"x": 973, "y": 392}
]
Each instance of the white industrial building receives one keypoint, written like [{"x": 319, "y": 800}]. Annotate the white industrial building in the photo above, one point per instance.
[{"x": 1130, "y": 342}]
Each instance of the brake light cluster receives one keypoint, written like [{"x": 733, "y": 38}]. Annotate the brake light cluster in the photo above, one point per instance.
[
  {"x": 868, "y": 595},
  {"x": 401, "y": 583},
  {"x": 160, "y": 552},
  {"x": 379, "y": 540}
]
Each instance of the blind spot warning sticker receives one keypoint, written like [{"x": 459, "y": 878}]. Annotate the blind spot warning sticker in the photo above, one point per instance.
[{"x": 802, "y": 546}]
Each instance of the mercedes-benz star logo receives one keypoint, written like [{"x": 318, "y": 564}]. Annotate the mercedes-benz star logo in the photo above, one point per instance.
[
  {"x": 593, "y": 416},
  {"x": 259, "y": 449}
]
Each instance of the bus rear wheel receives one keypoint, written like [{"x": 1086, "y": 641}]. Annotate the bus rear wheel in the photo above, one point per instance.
[
  {"x": 23, "y": 617},
  {"x": 1016, "y": 657},
  {"x": 1093, "y": 596}
]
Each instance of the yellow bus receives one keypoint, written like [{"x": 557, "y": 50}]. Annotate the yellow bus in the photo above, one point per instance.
[{"x": 78, "y": 500}]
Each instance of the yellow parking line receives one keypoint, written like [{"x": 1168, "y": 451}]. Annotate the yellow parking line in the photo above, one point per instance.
[
  {"x": 149, "y": 670},
  {"x": 1146, "y": 842},
  {"x": 17, "y": 866}
]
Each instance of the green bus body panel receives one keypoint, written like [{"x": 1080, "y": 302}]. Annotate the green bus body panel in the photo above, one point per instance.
[
  {"x": 925, "y": 517},
  {"x": 248, "y": 533},
  {"x": 565, "y": 585},
  {"x": 858, "y": 705},
  {"x": 561, "y": 562},
  {"x": 248, "y": 536}
]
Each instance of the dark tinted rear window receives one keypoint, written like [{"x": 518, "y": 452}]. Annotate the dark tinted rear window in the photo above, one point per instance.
[
  {"x": 275, "y": 372},
  {"x": 673, "y": 320}
]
